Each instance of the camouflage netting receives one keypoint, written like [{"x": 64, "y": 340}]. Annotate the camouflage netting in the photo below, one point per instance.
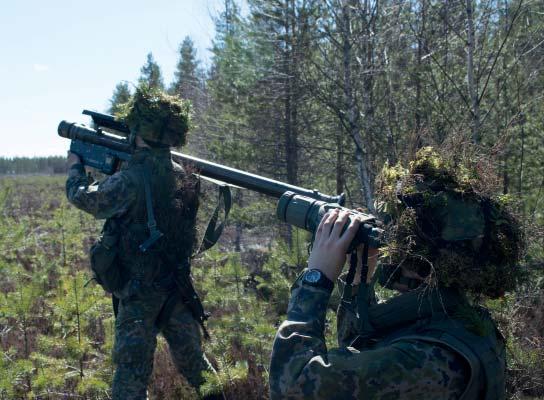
[
  {"x": 442, "y": 228},
  {"x": 157, "y": 117}
]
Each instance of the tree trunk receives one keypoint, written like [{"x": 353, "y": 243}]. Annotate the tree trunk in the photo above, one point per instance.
[
  {"x": 290, "y": 92},
  {"x": 472, "y": 84},
  {"x": 340, "y": 172},
  {"x": 391, "y": 113},
  {"x": 419, "y": 67},
  {"x": 353, "y": 120}
]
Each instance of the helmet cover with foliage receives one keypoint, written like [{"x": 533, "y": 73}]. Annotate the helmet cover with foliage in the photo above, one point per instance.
[
  {"x": 443, "y": 229},
  {"x": 158, "y": 118}
]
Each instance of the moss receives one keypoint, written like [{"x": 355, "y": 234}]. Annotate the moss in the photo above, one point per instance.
[
  {"x": 428, "y": 163},
  {"x": 442, "y": 227},
  {"x": 386, "y": 184},
  {"x": 157, "y": 117}
]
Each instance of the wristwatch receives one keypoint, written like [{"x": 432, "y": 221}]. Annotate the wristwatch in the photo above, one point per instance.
[{"x": 315, "y": 277}]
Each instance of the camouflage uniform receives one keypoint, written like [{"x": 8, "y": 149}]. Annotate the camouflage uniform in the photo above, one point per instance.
[
  {"x": 445, "y": 239},
  {"x": 149, "y": 302},
  {"x": 409, "y": 356}
]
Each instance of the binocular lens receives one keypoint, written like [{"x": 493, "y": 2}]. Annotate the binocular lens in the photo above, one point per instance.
[{"x": 306, "y": 213}]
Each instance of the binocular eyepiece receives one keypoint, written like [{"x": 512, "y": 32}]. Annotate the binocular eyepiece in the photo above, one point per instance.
[{"x": 306, "y": 213}]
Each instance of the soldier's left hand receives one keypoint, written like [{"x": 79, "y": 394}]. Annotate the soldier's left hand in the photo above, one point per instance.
[{"x": 72, "y": 159}]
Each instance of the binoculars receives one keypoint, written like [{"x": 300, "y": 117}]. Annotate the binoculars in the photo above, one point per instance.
[{"x": 306, "y": 213}]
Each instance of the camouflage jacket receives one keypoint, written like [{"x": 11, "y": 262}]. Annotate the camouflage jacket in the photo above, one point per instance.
[
  {"x": 122, "y": 196},
  {"x": 407, "y": 366},
  {"x": 113, "y": 197}
]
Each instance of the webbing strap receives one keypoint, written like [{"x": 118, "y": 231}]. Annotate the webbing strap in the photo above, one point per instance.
[
  {"x": 365, "y": 328},
  {"x": 362, "y": 296},
  {"x": 214, "y": 230},
  {"x": 347, "y": 293},
  {"x": 154, "y": 233}
]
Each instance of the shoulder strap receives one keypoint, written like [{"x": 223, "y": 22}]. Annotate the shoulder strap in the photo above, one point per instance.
[
  {"x": 359, "y": 304},
  {"x": 213, "y": 231},
  {"x": 154, "y": 233}
]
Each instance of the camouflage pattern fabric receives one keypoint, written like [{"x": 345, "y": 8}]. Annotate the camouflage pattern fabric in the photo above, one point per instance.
[
  {"x": 113, "y": 197},
  {"x": 302, "y": 367},
  {"x": 135, "y": 341},
  {"x": 141, "y": 315}
]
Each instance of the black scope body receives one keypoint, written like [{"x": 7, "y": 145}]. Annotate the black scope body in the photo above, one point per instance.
[
  {"x": 74, "y": 131},
  {"x": 306, "y": 213}
]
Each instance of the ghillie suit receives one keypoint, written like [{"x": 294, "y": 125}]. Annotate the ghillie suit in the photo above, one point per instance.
[
  {"x": 150, "y": 300},
  {"x": 445, "y": 231}
]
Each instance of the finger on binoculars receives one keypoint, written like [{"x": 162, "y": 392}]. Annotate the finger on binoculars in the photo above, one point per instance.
[
  {"x": 327, "y": 221},
  {"x": 339, "y": 224},
  {"x": 350, "y": 232}
]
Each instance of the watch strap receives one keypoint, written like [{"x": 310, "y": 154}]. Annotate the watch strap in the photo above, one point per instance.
[{"x": 322, "y": 282}]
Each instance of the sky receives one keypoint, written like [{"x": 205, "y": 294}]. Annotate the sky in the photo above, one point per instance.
[{"x": 61, "y": 56}]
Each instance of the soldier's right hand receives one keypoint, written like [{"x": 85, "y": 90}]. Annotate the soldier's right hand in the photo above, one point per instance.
[{"x": 330, "y": 245}]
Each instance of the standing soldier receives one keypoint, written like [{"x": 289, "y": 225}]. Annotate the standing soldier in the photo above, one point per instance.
[
  {"x": 143, "y": 255},
  {"x": 448, "y": 246}
]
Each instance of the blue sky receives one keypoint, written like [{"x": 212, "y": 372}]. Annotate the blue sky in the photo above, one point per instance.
[{"x": 60, "y": 56}]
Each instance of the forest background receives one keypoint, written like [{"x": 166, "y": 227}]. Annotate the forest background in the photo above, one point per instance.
[{"x": 314, "y": 93}]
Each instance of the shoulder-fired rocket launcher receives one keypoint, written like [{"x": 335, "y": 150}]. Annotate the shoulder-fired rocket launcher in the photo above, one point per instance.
[{"x": 107, "y": 146}]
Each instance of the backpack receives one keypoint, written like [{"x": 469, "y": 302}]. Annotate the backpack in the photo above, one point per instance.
[{"x": 104, "y": 257}]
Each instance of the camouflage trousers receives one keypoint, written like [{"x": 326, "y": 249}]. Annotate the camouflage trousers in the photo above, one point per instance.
[{"x": 136, "y": 330}]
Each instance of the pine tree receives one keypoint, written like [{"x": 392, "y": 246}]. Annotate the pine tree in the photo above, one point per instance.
[
  {"x": 187, "y": 83},
  {"x": 230, "y": 84},
  {"x": 121, "y": 95},
  {"x": 151, "y": 73}
]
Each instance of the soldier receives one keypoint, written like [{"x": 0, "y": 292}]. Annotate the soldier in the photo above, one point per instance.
[
  {"x": 146, "y": 284},
  {"x": 448, "y": 245}
]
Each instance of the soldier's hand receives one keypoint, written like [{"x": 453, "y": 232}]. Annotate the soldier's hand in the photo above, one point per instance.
[
  {"x": 330, "y": 245},
  {"x": 72, "y": 159}
]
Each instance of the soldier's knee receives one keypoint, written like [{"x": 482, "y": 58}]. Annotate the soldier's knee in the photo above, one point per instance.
[{"x": 133, "y": 351}]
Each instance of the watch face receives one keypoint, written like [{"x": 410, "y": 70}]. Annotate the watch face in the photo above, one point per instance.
[{"x": 312, "y": 276}]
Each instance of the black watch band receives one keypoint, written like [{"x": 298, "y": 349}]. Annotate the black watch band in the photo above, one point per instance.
[{"x": 315, "y": 277}]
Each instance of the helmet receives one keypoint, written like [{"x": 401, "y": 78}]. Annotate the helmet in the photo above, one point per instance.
[
  {"x": 443, "y": 229},
  {"x": 158, "y": 118}
]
